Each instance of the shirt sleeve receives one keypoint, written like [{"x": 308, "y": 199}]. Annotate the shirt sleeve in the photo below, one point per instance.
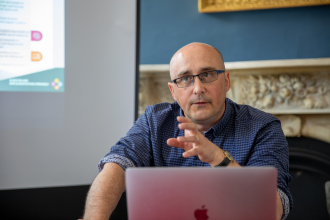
[
  {"x": 116, "y": 158},
  {"x": 132, "y": 150},
  {"x": 285, "y": 204},
  {"x": 271, "y": 149}
]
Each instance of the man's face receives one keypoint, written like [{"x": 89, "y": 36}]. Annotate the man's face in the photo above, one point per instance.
[{"x": 204, "y": 103}]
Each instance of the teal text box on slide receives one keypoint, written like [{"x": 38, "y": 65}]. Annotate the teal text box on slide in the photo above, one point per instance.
[{"x": 45, "y": 81}]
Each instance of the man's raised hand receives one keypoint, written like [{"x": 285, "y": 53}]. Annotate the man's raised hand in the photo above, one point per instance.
[{"x": 195, "y": 143}]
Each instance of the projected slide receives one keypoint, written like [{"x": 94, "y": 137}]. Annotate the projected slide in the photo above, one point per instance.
[{"x": 32, "y": 45}]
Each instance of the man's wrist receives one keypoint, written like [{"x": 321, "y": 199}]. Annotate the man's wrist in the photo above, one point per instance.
[
  {"x": 218, "y": 158},
  {"x": 227, "y": 159}
]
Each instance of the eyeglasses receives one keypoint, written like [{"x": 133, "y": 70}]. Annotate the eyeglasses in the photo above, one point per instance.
[{"x": 205, "y": 77}]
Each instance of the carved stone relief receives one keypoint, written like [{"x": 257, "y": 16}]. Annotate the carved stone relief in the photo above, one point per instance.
[
  {"x": 313, "y": 126},
  {"x": 316, "y": 126},
  {"x": 154, "y": 89},
  {"x": 291, "y": 125},
  {"x": 286, "y": 91}
]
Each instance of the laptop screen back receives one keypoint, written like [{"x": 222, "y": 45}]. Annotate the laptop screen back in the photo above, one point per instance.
[{"x": 201, "y": 193}]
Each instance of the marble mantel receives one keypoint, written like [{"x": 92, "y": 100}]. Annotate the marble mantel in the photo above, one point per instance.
[{"x": 295, "y": 91}]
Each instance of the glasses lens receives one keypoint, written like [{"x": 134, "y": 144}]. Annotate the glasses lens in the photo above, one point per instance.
[
  {"x": 184, "y": 81},
  {"x": 209, "y": 76}
]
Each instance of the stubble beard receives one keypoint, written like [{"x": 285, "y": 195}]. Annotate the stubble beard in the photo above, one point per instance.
[
  {"x": 199, "y": 114},
  {"x": 205, "y": 114}
]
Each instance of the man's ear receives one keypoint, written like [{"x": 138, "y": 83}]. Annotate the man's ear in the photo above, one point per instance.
[
  {"x": 227, "y": 79},
  {"x": 170, "y": 85}
]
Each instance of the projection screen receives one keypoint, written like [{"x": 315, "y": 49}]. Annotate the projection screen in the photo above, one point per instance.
[{"x": 67, "y": 88}]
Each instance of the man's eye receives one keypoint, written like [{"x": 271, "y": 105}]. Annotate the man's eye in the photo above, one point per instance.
[
  {"x": 207, "y": 74},
  {"x": 185, "y": 79}
]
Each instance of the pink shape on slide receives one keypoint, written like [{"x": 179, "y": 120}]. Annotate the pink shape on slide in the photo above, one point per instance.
[{"x": 36, "y": 35}]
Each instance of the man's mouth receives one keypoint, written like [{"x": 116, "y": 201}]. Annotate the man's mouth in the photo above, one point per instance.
[{"x": 200, "y": 103}]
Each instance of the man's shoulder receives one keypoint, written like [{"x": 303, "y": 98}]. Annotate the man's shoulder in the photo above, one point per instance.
[
  {"x": 163, "y": 109},
  {"x": 249, "y": 113}
]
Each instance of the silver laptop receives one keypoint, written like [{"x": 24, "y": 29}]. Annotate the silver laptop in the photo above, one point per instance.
[{"x": 201, "y": 193}]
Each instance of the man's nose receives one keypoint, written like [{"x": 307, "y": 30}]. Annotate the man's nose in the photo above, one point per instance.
[{"x": 198, "y": 86}]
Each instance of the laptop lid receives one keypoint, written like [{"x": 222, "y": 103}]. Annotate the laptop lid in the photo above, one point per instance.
[{"x": 201, "y": 193}]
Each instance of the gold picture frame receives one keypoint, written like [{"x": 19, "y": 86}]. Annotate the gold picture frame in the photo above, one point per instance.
[{"x": 208, "y": 6}]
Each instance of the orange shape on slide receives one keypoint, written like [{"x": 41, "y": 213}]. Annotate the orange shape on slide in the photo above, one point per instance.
[{"x": 36, "y": 56}]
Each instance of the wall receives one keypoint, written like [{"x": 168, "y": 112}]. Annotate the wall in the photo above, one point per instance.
[
  {"x": 100, "y": 52},
  {"x": 66, "y": 154},
  {"x": 288, "y": 33}
]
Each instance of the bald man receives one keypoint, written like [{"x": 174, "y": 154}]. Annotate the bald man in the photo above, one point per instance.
[{"x": 201, "y": 128}]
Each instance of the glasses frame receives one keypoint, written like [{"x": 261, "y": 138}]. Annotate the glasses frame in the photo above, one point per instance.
[{"x": 199, "y": 76}]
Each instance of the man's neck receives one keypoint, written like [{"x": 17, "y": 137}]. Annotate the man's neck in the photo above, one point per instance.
[{"x": 204, "y": 127}]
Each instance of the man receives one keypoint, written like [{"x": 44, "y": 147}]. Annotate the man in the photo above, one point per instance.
[{"x": 202, "y": 128}]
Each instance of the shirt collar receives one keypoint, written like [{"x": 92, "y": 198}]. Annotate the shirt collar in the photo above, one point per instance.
[
  {"x": 181, "y": 112},
  {"x": 217, "y": 128}
]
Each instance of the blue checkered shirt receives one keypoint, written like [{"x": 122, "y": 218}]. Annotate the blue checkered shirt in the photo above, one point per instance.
[{"x": 253, "y": 137}]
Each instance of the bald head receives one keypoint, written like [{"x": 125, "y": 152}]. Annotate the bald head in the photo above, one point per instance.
[
  {"x": 203, "y": 102},
  {"x": 193, "y": 52}
]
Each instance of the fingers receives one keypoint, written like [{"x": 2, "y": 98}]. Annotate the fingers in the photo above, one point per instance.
[
  {"x": 188, "y": 126},
  {"x": 173, "y": 142},
  {"x": 183, "y": 119},
  {"x": 190, "y": 139},
  {"x": 190, "y": 153}
]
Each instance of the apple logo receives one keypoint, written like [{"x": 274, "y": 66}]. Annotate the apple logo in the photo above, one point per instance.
[{"x": 200, "y": 214}]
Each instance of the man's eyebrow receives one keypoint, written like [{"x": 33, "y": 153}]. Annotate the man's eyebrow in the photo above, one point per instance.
[
  {"x": 182, "y": 74},
  {"x": 201, "y": 70},
  {"x": 207, "y": 68}
]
